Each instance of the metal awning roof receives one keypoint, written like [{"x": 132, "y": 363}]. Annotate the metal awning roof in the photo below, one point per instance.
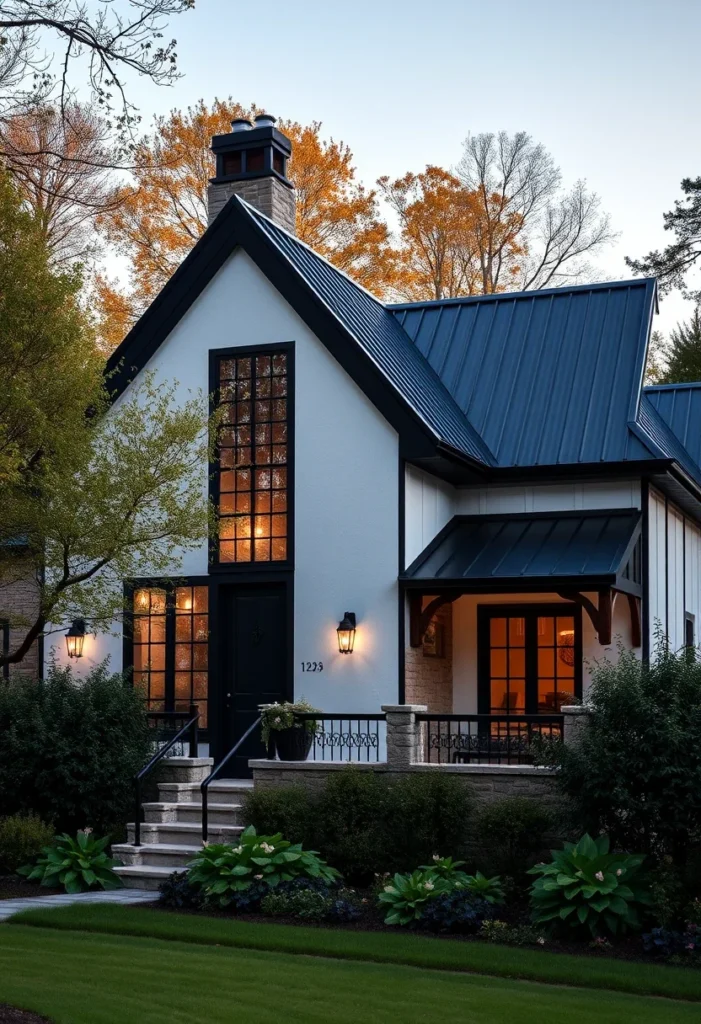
[{"x": 531, "y": 551}]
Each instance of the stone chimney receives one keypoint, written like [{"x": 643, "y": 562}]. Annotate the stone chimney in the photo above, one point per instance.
[{"x": 252, "y": 163}]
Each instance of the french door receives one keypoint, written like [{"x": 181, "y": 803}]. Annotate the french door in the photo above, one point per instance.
[{"x": 529, "y": 658}]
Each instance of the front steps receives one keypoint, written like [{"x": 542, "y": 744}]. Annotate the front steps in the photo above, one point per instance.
[{"x": 172, "y": 831}]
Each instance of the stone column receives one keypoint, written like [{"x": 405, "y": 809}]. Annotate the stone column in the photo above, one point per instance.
[
  {"x": 575, "y": 720},
  {"x": 402, "y": 734}
]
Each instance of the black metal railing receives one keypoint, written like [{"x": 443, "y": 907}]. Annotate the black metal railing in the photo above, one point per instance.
[
  {"x": 484, "y": 739},
  {"x": 189, "y": 729},
  {"x": 340, "y": 737},
  {"x": 204, "y": 786}
]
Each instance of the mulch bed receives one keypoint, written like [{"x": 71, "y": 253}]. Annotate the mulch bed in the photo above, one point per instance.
[
  {"x": 14, "y": 887},
  {"x": 11, "y": 1015}
]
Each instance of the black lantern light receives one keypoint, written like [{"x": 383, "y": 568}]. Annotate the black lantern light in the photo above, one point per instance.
[
  {"x": 346, "y": 633},
  {"x": 75, "y": 638}
]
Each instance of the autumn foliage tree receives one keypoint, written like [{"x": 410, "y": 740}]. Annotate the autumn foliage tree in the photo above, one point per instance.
[{"x": 164, "y": 212}]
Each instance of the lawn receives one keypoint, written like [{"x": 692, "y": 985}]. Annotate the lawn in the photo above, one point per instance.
[{"x": 78, "y": 978}]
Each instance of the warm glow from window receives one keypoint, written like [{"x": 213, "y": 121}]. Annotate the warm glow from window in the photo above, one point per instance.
[{"x": 253, "y": 458}]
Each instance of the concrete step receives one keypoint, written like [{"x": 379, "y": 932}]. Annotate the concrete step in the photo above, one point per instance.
[
  {"x": 191, "y": 811},
  {"x": 142, "y": 876},
  {"x": 166, "y": 855},
  {"x": 224, "y": 790},
  {"x": 180, "y": 833}
]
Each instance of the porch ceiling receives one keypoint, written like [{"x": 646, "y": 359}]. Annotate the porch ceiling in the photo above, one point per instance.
[{"x": 532, "y": 551}]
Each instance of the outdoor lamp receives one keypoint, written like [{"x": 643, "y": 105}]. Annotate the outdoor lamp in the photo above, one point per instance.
[
  {"x": 346, "y": 633},
  {"x": 75, "y": 638}
]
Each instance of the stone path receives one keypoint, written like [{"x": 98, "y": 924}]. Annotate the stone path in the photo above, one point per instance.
[{"x": 10, "y": 907}]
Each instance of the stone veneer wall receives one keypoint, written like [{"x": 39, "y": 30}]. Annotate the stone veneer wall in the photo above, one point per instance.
[
  {"x": 20, "y": 600},
  {"x": 429, "y": 680},
  {"x": 269, "y": 195}
]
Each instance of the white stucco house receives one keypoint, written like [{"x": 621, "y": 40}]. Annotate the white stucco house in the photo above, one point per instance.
[{"x": 483, "y": 482}]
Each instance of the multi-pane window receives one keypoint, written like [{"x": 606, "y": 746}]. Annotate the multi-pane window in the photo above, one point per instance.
[
  {"x": 253, "y": 458},
  {"x": 530, "y": 659},
  {"x": 170, "y": 647}
]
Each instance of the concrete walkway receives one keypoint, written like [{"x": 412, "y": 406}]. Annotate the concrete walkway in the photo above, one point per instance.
[{"x": 10, "y": 907}]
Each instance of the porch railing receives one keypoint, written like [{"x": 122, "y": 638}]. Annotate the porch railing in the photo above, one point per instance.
[
  {"x": 345, "y": 737},
  {"x": 483, "y": 739}
]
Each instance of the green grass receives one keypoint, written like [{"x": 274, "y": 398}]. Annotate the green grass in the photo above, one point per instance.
[
  {"x": 378, "y": 947},
  {"x": 80, "y": 978}
]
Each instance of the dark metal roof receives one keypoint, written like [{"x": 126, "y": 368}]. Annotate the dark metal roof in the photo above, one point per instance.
[
  {"x": 548, "y": 377},
  {"x": 553, "y": 548},
  {"x": 679, "y": 405},
  {"x": 379, "y": 333}
]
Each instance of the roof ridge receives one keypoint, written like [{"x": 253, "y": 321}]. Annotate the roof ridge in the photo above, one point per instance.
[{"x": 529, "y": 294}]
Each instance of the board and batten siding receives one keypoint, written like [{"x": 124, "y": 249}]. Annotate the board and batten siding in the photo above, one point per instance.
[
  {"x": 674, "y": 556},
  {"x": 346, "y": 518}
]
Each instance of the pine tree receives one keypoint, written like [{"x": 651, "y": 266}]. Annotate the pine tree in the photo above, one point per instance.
[{"x": 684, "y": 358}]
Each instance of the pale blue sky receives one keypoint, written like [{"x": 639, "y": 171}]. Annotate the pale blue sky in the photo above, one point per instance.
[{"x": 611, "y": 88}]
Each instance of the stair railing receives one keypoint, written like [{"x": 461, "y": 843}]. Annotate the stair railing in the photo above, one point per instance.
[
  {"x": 191, "y": 729},
  {"x": 204, "y": 786}
]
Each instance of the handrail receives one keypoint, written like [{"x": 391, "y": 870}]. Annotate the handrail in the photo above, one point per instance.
[
  {"x": 191, "y": 727},
  {"x": 204, "y": 785}
]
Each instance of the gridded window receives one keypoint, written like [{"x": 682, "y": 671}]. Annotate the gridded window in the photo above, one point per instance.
[
  {"x": 171, "y": 647},
  {"x": 556, "y": 662},
  {"x": 254, "y": 458},
  {"x": 507, "y": 668}
]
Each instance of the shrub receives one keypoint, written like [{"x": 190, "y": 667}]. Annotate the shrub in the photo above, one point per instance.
[
  {"x": 456, "y": 911},
  {"x": 668, "y": 942},
  {"x": 312, "y": 905},
  {"x": 178, "y": 892},
  {"x": 77, "y": 864},
  {"x": 586, "y": 886},
  {"x": 22, "y": 838},
  {"x": 366, "y": 824},
  {"x": 510, "y": 833},
  {"x": 511, "y": 935},
  {"x": 69, "y": 749},
  {"x": 635, "y": 772},
  {"x": 220, "y": 870},
  {"x": 668, "y": 893}
]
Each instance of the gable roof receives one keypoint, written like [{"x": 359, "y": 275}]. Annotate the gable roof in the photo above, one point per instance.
[
  {"x": 679, "y": 406},
  {"x": 359, "y": 331},
  {"x": 549, "y": 377}
]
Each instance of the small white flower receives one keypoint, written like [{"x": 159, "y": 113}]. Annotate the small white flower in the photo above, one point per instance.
[
  {"x": 436, "y": 857},
  {"x": 619, "y": 872},
  {"x": 257, "y": 877},
  {"x": 206, "y": 843},
  {"x": 540, "y": 940},
  {"x": 599, "y": 876},
  {"x": 238, "y": 850},
  {"x": 267, "y": 847},
  {"x": 389, "y": 888},
  {"x": 429, "y": 886},
  {"x": 87, "y": 830},
  {"x": 278, "y": 720}
]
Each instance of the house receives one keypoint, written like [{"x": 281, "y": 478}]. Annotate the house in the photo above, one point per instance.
[{"x": 482, "y": 482}]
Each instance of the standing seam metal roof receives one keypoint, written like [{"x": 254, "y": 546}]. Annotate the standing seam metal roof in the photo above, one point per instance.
[{"x": 679, "y": 405}]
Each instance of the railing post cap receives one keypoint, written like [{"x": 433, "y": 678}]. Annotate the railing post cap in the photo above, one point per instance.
[
  {"x": 575, "y": 709},
  {"x": 398, "y": 709}
]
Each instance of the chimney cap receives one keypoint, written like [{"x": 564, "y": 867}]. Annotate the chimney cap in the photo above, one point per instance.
[
  {"x": 265, "y": 120},
  {"x": 241, "y": 124}
]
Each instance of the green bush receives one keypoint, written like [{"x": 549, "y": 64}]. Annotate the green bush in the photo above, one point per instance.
[
  {"x": 22, "y": 838},
  {"x": 585, "y": 886},
  {"x": 510, "y": 833},
  {"x": 365, "y": 824},
  {"x": 70, "y": 748},
  {"x": 405, "y": 896},
  {"x": 221, "y": 871},
  {"x": 511, "y": 934},
  {"x": 635, "y": 772},
  {"x": 78, "y": 864}
]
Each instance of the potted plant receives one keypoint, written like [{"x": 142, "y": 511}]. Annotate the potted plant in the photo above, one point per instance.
[{"x": 292, "y": 739}]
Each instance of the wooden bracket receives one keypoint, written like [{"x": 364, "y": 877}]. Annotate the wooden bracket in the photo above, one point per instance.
[
  {"x": 601, "y": 617},
  {"x": 420, "y": 617},
  {"x": 636, "y": 632}
]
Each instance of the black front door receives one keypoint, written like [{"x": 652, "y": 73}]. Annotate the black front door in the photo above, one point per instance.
[{"x": 254, "y": 643}]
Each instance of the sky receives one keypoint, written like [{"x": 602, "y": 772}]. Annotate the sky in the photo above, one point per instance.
[{"x": 610, "y": 88}]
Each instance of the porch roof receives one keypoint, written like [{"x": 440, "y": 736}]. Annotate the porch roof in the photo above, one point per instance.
[{"x": 534, "y": 551}]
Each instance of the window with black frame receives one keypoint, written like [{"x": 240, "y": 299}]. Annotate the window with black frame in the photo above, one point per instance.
[
  {"x": 170, "y": 646},
  {"x": 252, "y": 478}
]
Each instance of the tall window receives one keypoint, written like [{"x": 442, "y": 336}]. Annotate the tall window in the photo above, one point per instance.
[
  {"x": 254, "y": 458},
  {"x": 170, "y": 647},
  {"x": 530, "y": 659}
]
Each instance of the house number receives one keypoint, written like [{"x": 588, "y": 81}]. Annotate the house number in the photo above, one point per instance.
[{"x": 312, "y": 666}]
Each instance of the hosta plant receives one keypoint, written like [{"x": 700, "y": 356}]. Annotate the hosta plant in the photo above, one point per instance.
[
  {"x": 221, "y": 870},
  {"x": 490, "y": 889},
  {"x": 586, "y": 887},
  {"x": 77, "y": 864},
  {"x": 446, "y": 867},
  {"x": 405, "y": 896}
]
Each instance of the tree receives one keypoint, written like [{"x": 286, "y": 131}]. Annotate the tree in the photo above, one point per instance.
[
  {"x": 103, "y": 44},
  {"x": 62, "y": 166},
  {"x": 684, "y": 354},
  {"x": 161, "y": 218},
  {"x": 93, "y": 492},
  {"x": 657, "y": 356},
  {"x": 672, "y": 264},
  {"x": 531, "y": 234}
]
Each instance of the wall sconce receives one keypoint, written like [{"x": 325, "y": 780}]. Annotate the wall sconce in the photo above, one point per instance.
[
  {"x": 75, "y": 638},
  {"x": 346, "y": 633}
]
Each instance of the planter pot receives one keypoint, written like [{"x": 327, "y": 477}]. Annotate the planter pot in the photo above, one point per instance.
[{"x": 293, "y": 744}]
